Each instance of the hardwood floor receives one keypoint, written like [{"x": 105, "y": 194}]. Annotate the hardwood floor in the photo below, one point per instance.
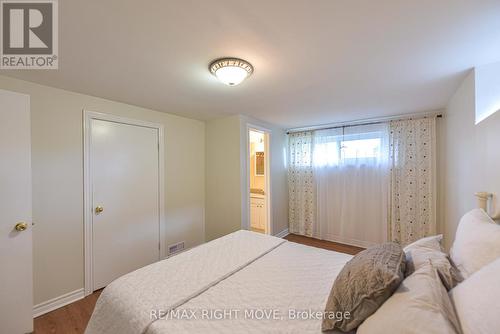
[
  {"x": 73, "y": 318},
  {"x": 333, "y": 246},
  {"x": 70, "y": 319}
]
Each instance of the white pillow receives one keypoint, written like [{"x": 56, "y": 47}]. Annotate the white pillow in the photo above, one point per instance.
[
  {"x": 432, "y": 243},
  {"x": 477, "y": 242},
  {"x": 419, "y": 305},
  {"x": 477, "y": 301},
  {"x": 421, "y": 251}
]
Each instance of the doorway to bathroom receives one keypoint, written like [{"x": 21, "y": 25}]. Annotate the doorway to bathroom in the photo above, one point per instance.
[{"x": 259, "y": 180}]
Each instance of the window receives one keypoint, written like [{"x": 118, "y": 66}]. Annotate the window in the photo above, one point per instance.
[{"x": 333, "y": 148}]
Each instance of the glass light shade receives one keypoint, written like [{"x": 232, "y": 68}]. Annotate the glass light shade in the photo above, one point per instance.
[
  {"x": 231, "y": 71},
  {"x": 231, "y": 75}
]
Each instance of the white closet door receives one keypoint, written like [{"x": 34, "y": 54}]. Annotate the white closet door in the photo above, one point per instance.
[
  {"x": 16, "y": 276},
  {"x": 124, "y": 174}
]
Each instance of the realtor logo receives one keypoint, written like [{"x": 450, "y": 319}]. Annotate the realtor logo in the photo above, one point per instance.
[{"x": 29, "y": 34}]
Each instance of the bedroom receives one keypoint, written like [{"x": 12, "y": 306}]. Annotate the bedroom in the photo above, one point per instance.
[{"x": 124, "y": 148}]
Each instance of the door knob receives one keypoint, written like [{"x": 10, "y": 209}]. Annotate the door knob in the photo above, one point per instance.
[
  {"x": 21, "y": 226},
  {"x": 99, "y": 209}
]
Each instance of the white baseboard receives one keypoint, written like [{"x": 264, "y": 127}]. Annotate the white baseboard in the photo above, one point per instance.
[
  {"x": 57, "y": 302},
  {"x": 282, "y": 234}
]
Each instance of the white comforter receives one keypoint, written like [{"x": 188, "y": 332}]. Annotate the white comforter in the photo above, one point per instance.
[{"x": 244, "y": 282}]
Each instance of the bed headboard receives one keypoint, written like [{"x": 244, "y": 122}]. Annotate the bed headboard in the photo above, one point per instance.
[{"x": 485, "y": 202}]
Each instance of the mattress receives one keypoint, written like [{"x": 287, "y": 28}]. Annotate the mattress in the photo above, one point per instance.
[{"x": 262, "y": 285}]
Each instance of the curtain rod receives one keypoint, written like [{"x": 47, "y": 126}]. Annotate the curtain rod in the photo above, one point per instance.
[{"x": 368, "y": 121}]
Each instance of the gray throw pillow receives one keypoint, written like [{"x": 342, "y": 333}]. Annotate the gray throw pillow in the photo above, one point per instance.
[{"x": 364, "y": 283}]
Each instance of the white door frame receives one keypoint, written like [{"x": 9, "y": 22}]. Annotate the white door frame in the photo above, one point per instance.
[
  {"x": 88, "y": 116},
  {"x": 267, "y": 171}
]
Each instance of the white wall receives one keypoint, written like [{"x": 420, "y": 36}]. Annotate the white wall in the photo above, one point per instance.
[
  {"x": 227, "y": 176},
  {"x": 471, "y": 156},
  {"x": 223, "y": 188},
  {"x": 57, "y": 167},
  {"x": 487, "y": 90}
]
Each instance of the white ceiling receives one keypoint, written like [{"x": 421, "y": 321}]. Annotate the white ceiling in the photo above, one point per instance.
[{"x": 316, "y": 61}]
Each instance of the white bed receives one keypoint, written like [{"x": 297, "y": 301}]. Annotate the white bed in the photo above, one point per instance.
[
  {"x": 247, "y": 282},
  {"x": 243, "y": 282}
]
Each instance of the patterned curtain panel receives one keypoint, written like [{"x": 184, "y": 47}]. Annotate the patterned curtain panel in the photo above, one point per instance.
[
  {"x": 302, "y": 202},
  {"x": 412, "y": 184}
]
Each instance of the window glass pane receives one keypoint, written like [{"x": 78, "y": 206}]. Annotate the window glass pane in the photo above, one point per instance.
[{"x": 362, "y": 148}]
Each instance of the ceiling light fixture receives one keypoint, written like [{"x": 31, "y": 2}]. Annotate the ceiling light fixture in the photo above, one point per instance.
[{"x": 231, "y": 71}]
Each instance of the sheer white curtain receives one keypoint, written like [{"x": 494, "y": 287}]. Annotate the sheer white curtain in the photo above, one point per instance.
[
  {"x": 351, "y": 171},
  {"x": 413, "y": 158}
]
